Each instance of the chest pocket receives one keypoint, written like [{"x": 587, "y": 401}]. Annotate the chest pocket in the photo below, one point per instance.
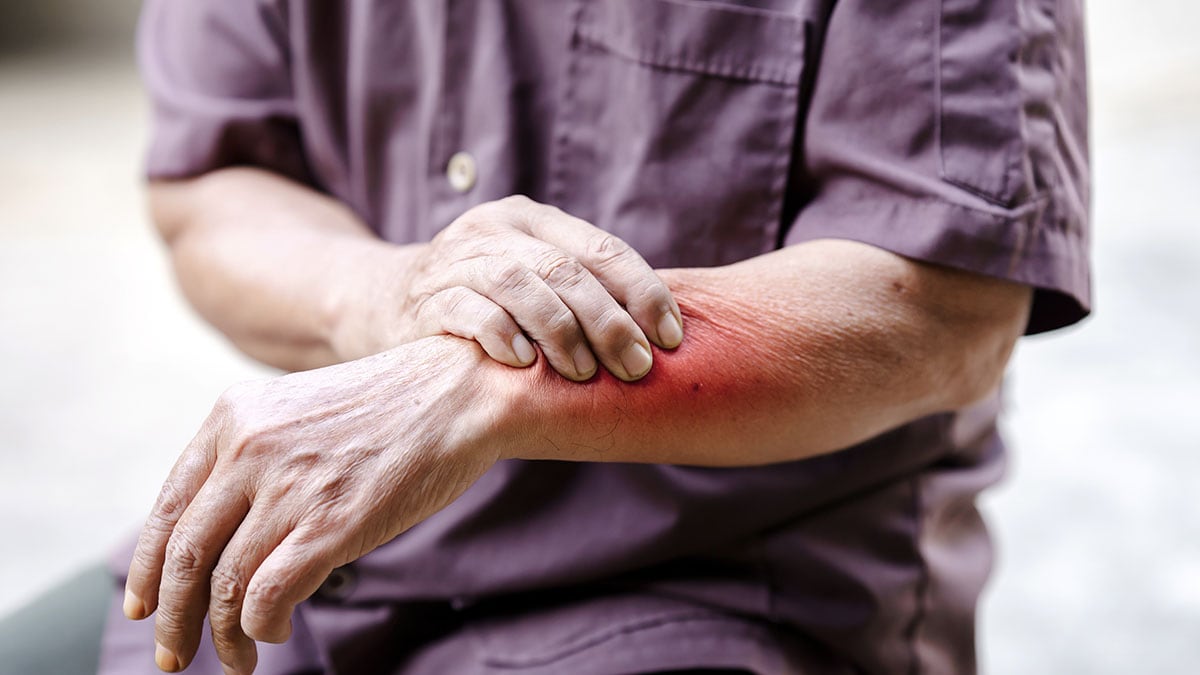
[{"x": 675, "y": 125}]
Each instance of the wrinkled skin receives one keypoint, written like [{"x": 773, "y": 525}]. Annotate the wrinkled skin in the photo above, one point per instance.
[
  {"x": 794, "y": 353},
  {"x": 291, "y": 477},
  {"x": 514, "y": 269}
]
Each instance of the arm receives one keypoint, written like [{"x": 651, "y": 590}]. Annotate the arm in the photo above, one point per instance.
[
  {"x": 816, "y": 346},
  {"x": 296, "y": 280},
  {"x": 254, "y": 253},
  {"x": 792, "y": 354},
  {"x": 796, "y": 353}
]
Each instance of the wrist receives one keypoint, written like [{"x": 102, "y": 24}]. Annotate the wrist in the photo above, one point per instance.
[
  {"x": 363, "y": 311},
  {"x": 482, "y": 401}
]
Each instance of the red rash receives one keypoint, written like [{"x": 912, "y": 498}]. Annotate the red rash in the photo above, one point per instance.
[{"x": 730, "y": 367}]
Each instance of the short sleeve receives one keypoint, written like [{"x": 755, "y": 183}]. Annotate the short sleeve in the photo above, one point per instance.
[
  {"x": 955, "y": 132},
  {"x": 217, "y": 72}
]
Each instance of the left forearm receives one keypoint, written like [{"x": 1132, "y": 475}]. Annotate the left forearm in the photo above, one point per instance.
[{"x": 798, "y": 353}]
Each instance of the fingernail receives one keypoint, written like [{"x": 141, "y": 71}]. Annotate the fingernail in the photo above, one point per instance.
[
  {"x": 523, "y": 350},
  {"x": 165, "y": 659},
  {"x": 670, "y": 333},
  {"x": 585, "y": 363},
  {"x": 133, "y": 606},
  {"x": 636, "y": 360}
]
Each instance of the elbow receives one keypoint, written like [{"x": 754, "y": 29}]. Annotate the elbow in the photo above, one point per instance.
[
  {"x": 984, "y": 347},
  {"x": 979, "y": 372}
]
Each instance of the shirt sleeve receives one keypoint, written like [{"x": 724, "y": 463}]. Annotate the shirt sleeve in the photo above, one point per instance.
[
  {"x": 955, "y": 132},
  {"x": 217, "y": 72}
]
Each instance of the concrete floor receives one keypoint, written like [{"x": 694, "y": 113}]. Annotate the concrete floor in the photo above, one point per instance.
[{"x": 104, "y": 373}]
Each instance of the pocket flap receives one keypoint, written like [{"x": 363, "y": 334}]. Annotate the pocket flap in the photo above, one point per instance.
[{"x": 720, "y": 40}]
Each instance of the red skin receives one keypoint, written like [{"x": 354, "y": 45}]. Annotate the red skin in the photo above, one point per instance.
[{"x": 718, "y": 370}]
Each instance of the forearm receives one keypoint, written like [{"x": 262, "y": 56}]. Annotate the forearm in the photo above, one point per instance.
[
  {"x": 789, "y": 355},
  {"x": 296, "y": 280},
  {"x": 798, "y": 353},
  {"x": 274, "y": 265}
]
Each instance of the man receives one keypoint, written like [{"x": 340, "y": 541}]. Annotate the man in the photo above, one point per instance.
[{"x": 717, "y": 393}]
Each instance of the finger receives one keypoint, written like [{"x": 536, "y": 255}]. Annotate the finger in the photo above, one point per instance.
[
  {"x": 254, "y": 540},
  {"x": 187, "y": 476},
  {"x": 622, "y": 271},
  {"x": 536, "y": 308},
  {"x": 288, "y": 576},
  {"x": 614, "y": 337},
  {"x": 461, "y": 311},
  {"x": 192, "y": 552}
]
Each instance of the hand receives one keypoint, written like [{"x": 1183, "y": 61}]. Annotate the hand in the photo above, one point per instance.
[
  {"x": 291, "y": 477},
  {"x": 512, "y": 270}
]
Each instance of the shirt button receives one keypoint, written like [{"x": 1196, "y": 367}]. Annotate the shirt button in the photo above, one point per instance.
[
  {"x": 338, "y": 584},
  {"x": 461, "y": 171}
]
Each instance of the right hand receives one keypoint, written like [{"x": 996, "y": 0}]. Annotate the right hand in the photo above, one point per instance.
[
  {"x": 513, "y": 270},
  {"x": 290, "y": 477}
]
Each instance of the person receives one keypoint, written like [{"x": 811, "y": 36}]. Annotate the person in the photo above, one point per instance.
[{"x": 718, "y": 392}]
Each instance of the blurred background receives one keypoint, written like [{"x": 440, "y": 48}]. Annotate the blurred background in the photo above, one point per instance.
[{"x": 105, "y": 373}]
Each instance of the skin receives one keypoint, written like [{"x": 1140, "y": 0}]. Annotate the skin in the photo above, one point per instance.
[
  {"x": 297, "y": 281},
  {"x": 796, "y": 353}
]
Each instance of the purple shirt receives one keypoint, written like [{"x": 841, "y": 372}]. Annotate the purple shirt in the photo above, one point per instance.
[{"x": 702, "y": 133}]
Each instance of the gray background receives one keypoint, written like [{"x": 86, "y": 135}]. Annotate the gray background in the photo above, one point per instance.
[{"x": 105, "y": 373}]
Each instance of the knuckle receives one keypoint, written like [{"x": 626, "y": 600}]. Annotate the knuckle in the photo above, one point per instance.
[
  {"x": 463, "y": 228},
  {"x": 246, "y": 442},
  {"x": 423, "y": 288},
  {"x": 250, "y": 438},
  {"x": 651, "y": 293},
  {"x": 612, "y": 330},
  {"x": 495, "y": 322},
  {"x": 507, "y": 275},
  {"x": 169, "y": 506},
  {"x": 445, "y": 302},
  {"x": 227, "y": 402},
  {"x": 516, "y": 201},
  {"x": 226, "y": 588},
  {"x": 560, "y": 269},
  {"x": 563, "y": 329},
  {"x": 264, "y": 594},
  {"x": 604, "y": 249},
  {"x": 233, "y": 411},
  {"x": 185, "y": 559}
]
